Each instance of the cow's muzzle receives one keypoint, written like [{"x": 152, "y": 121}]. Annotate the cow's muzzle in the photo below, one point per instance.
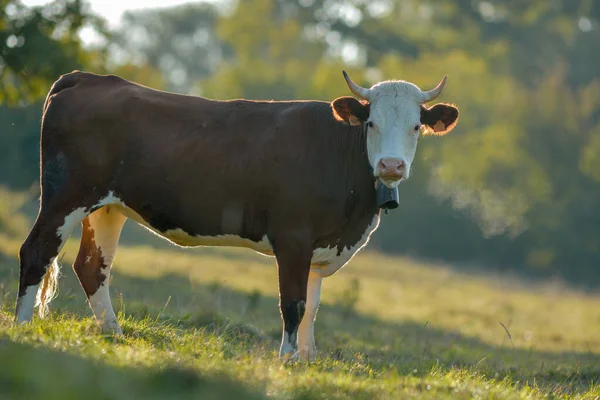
[{"x": 391, "y": 171}]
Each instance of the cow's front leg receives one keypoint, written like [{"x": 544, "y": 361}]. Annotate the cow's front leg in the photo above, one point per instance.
[
  {"x": 306, "y": 332},
  {"x": 293, "y": 266}
]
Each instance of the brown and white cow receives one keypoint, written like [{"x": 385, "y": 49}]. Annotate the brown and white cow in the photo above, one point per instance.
[{"x": 293, "y": 179}]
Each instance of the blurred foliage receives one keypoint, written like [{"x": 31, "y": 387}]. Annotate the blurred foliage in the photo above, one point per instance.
[
  {"x": 514, "y": 186},
  {"x": 179, "y": 42},
  {"x": 11, "y": 220},
  {"x": 37, "y": 44}
]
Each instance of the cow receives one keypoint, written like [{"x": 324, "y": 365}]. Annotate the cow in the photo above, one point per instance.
[{"x": 296, "y": 180}]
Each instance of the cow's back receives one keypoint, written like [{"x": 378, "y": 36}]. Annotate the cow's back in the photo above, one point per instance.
[{"x": 103, "y": 121}]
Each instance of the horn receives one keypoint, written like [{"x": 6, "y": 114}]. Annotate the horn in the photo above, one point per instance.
[
  {"x": 361, "y": 92},
  {"x": 435, "y": 92}
]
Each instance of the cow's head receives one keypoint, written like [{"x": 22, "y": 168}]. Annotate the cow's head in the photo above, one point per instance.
[{"x": 395, "y": 114}]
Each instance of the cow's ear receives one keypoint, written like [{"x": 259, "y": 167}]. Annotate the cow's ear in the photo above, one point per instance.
[
  {"x": 439, "y": 119},
  {"x": 351, "y": 110}
]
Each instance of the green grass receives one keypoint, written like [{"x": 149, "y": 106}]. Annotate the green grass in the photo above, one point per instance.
[{"x": 204, "y": 323}]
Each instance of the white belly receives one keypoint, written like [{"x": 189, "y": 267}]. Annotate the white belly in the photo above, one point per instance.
[
  {"x": 325, "y": 261},
  {"x": 181, "y": 238}
]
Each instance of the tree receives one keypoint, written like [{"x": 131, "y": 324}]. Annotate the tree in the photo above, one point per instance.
[
  {"x": 180, "y": 42},
  {"x": 515, "y": 185},
  {"x": 38, "y": 44}
]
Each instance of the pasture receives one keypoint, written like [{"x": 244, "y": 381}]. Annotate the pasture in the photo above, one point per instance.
[{"x": 205, "y": 323}]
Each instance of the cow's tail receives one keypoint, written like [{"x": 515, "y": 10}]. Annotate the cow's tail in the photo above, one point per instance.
[
  {"x": 64, "y": 82},
  {"x": 48, "y": 288}
]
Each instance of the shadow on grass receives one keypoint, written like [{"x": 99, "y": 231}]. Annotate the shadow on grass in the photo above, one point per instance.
[
  {"x": 365, "y": 342},
  {"x": 36, "y": 372},
  {"x": 341, "y": 333}
]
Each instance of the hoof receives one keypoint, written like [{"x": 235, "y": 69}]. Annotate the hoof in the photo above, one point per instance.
[
  {"x": 308, "y": 353},
  {"x": 111, "y": 328},
  {"x": 289, "y": 357}
]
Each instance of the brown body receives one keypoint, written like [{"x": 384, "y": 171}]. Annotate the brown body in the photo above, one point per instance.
[
  {"x": 284, "y": 172},
  {"x": 209, "y": 168},
  {"x": 291, "y": 179}
]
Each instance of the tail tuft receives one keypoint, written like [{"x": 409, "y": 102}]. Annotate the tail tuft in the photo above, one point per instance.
[{"x": 48, "y": 288}]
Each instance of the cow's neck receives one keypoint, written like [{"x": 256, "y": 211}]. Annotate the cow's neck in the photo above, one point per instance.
[
  {"x": 360, "y": 202},
  {"x": 361, "y": 176}
]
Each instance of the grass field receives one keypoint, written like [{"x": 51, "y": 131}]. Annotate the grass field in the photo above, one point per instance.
[{"x": 204, "y": 323}]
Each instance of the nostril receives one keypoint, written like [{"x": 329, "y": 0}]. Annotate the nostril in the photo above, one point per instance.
[
  {"x": 392, "y": 168},
  {"x": 385, "y": 167}
]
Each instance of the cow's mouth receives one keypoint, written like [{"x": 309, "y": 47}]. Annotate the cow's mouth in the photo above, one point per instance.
[{"x": 390, "y": 183}]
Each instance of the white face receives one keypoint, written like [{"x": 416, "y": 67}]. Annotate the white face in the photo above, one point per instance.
[
  {"x": 393, "y": 130},
  {"x": 394, "y": 113}
]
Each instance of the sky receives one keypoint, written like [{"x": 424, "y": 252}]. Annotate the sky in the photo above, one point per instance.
[{"x": 113, "y": 9}]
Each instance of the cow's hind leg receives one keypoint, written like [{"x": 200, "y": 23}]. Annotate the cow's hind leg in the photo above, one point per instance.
[
  {"x": 37, "y": 258},
  {"x": 99, "y": 239}
]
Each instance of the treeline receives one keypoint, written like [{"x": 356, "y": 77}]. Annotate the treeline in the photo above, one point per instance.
[{"x": 514, "y": 186}]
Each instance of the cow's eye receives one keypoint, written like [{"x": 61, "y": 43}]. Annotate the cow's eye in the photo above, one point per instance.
[
  {"x": 417, "y": 127},
  {"x": 370, "y": 124}
]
